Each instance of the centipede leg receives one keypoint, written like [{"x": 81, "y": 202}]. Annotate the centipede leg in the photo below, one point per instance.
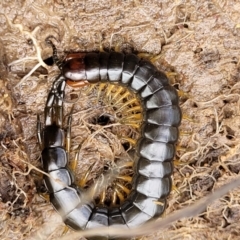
[
  {"x": 48, "y": 111},
  {"x": 53, "y": 107},
  {"x": 83, "y": 180},
  {"x": 73, "y": 163},
  {"x": 39, "y": 131},
  {"x": 59, "y": 104},
  {"x": 68, "y": 134}
]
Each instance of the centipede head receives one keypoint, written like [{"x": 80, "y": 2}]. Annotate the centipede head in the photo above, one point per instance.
[
  {"x": 72, "y": 67},
  {"x": 74, "y": 70}
]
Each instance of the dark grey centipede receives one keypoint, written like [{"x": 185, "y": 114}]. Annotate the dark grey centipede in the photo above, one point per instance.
[{"x": 155, "y": 149}]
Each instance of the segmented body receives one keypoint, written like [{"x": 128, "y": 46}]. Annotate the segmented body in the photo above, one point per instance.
[{"x": 154, "y": 150}]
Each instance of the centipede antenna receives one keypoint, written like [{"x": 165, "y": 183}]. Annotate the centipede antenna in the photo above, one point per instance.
[{"x": 56, "y": 60}]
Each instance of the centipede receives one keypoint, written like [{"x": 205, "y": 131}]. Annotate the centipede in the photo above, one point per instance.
[{"x": 154, "y": 151}]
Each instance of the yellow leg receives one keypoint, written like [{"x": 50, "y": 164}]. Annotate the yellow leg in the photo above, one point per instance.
[
  {"x": 102, "y": 197},
  {"x": 131, "y": 101},
  {"x": 126, "y": 94},
  {"x": 109, "y": 90},
  {"x": 114, "y": 198},
  {"x": 178, "y": 148},
  {"x": 119, "y": 195},
  {"x": 68, "y": 135},
  {"x": 130, "y": 140},
  {"x": 82, "y": 182},
  {"x": 65, "y": 230},
  {"x": 73, "y": 164},
  {"x": 183, "y": 133},
  {"x": 183, "y": 94},
  {"x": 90, "y": 88},
  {"x": 120, "y": 89},
  {"x": 159, "y": 203},
  {"x": 45, "y": 196},
  {"x": 134, "y": 109},
  {"x": 174, "y": 188},
  {"x": 94, "y": 191},
  {"x": 123, "y": 188},
  {"x": 137, "y": 116},
  {"x": 125, "y": 178},
  {"x": 126, "y": 165},
  {"x": 171, "y": 74},
  {"x": 132, "y": 124},
  {"x": 117, "y": 48},
  {"x": 146, "y": 56},
  {"x": 186, "y": 117},
  {"x": 177, "y": 163},
  {"x": 100, "y": 89}
]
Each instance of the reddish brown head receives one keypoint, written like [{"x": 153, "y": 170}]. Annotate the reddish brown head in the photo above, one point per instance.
[{"x": 74, "y": 70}]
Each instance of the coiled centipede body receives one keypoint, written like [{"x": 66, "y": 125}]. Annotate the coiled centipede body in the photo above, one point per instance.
[{"x": 155, "y": 148}]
